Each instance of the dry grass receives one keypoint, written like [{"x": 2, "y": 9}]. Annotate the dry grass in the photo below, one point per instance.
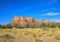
[{"x": 30, "y": 35}]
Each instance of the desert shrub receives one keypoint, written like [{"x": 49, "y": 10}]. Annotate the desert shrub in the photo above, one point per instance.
[
  {"x": 15, "y": 25},
  {"x": 45, "y": 29},
  {"x": 18, "y": 26},
  {"x": 43, "y": 25},
  {"x": 6, "y": 26},
  {"x": 9, "y": 26},
  {"x": 3, "y": 26},
  {"x": 39, "y": 35},
  {"x": 7, "y": 38},
  {"x": 34, "y": 35},
  {"x": 53, "y": 25},
  {"x": 57, "y": 37},
  {"x": 0, "y": 26},
  {"x": 26, "y": 33},
  {"x": 50, "y": 35},
  {"x": 59, "y": 25},
  {"x": 32, "y": 26},
  {"x": 38, "y": 40},
  {"x": 26, "y": 26}
]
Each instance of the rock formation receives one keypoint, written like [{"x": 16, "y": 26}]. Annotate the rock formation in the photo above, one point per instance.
[
  {"x": 28, "y": 20},
  {"x": 22, "y": 20}
]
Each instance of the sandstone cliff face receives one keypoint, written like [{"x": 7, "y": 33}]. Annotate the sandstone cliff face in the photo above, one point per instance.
[
  {"x": 22, "y": 20},
  {"x": 28, "y": 20},
  {"x": 16, "y": 20}
]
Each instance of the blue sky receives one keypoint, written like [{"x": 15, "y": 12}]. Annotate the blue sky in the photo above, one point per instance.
[{"x": 39, "y": 9}]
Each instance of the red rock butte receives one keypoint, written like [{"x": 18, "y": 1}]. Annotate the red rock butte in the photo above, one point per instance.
[
  {"x": 23, "y": 20},
  {"x": 28, "y": 20}
]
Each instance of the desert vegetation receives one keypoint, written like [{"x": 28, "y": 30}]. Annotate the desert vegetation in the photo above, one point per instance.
[
  {"x": 43, "y": 25},
  {"x": 30, "y": 35}
]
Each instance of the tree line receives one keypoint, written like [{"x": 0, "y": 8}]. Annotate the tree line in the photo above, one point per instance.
[{"x": 52, "y": 25}]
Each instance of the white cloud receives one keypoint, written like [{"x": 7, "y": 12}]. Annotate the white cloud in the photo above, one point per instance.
[
  {"x": 52, "y": 14},
  {"x": 48, "y": 9},
  {"x": 57, "y": 20}
]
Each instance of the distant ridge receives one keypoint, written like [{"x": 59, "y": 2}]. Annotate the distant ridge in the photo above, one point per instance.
[{"x": 29, "y": 20}]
